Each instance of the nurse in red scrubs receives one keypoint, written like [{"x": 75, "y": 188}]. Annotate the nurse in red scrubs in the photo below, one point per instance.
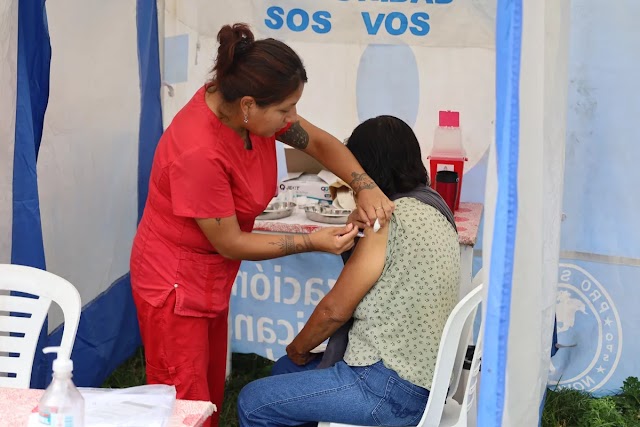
[{"x": 213, "y": 173}]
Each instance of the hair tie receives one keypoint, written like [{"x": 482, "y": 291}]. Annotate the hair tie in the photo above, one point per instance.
[{"x": 243, "y": 46}]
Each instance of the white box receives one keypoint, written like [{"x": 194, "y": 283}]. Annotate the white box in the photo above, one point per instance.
[{"x": 313, "y": 186}]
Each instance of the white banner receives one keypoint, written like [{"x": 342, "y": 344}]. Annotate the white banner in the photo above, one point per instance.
[{"x": 442, "y": 23}]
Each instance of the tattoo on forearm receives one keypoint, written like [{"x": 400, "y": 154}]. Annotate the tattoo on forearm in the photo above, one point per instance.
[
  {"x": 361, "y": 181},
  {"x": 306, "y": 245},
  {"x": 288, "y": 246},
  {"x": 295, "y": 136}
]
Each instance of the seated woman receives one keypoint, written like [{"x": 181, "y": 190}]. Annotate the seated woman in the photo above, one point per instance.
[{"x": 400, "y": 285}]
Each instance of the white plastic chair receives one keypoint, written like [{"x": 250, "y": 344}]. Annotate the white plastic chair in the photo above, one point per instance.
[
  {"x": 21, "y": 318},
  {"x": 453, "y": 347}
]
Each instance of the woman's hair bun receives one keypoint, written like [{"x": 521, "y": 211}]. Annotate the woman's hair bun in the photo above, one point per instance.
[{"x": 234, "y": 40}]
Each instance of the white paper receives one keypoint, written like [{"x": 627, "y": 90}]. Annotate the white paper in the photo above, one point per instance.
[{"x": 149, "y": 406}]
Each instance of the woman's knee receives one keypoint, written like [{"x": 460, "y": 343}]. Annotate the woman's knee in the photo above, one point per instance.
[
  {"x": 250, "y": 396},
  {"x": 249, "y": 399}
]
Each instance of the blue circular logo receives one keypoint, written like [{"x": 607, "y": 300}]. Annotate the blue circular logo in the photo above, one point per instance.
[{"x": 589, "y": 330}]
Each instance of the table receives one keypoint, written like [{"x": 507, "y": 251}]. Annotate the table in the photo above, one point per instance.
[
  {"x": 271, "y": 300},
  {"x": 17, "y": 404},
  {"x": 467, "y": 221}
]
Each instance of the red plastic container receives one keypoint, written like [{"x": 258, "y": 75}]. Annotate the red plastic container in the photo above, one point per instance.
[{"x": 448, "y": 153}]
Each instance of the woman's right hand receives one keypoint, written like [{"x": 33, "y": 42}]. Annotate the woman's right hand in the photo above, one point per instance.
[{"x": 334, "y": 240}]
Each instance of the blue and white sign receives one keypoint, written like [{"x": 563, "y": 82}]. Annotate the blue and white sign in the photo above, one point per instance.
[
  {"x": 442, "y": 23},
  {"x": 589, "y": 325},
  {"x": 598, "y": 291},
  {"x": 416, "y": 22},
  {"x": 272, "y": 300}
]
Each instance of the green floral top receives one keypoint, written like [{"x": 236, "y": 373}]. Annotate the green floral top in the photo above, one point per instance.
[{"x": 400, "y": 320}]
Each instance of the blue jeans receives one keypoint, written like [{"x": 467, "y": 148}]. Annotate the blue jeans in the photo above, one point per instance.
[
  {"x": 284, "y": 365},
  {"x": 368, "y": 395}
]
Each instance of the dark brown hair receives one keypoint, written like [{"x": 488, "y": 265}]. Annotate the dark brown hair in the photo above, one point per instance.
[
  {"x": 389, "y": 153},
  {"x": 267, "y": 70}
]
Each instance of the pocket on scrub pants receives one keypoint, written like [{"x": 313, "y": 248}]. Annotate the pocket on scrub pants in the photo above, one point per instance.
[{"x": 202, "y": 288}]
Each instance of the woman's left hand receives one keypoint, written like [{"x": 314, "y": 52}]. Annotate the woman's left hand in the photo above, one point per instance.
[
  {"x": 373, "y": 203},
  {"x": 300, "y": 359}
]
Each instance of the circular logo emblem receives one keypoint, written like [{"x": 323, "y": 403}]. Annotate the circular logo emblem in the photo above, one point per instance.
[
  {"x": 282, "y": 187},
  {"x": 588, "y": 329}
]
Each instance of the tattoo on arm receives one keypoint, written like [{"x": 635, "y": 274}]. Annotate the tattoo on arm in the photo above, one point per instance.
[
  {"x": 306, "y": 245},
  {"x": 361, "y": 181},
  {"x": 295, "y": 136},
  {"x": 288, "y": 246}
]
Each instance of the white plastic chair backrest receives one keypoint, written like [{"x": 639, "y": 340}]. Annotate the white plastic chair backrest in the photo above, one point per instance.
[
  {"x": 21, "y": 318},
  {"x": 469, "y": 411},
  {"x": 465, "y": 338},
  {"x": 460, "y": 319}
]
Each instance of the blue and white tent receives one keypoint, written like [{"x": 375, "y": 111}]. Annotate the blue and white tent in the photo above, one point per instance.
[
  {"x": 77, "y": 137},
  {"x": 545, "y": 91}
]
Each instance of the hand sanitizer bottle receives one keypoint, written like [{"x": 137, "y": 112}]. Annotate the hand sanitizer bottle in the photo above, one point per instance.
[{"x": 61, "y": 405}]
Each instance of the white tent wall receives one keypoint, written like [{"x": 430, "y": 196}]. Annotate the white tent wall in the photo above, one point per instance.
[
  {"x": 597, "y": 305},
  {"x": 87, "y": 168},
  {"x": 357, "y": 80},
  {"x": 567, "y": 63},
  {"x": 85, "y": 201},
  {"x": 8, "y": 75},
  {"x": 543, "y": 100}
]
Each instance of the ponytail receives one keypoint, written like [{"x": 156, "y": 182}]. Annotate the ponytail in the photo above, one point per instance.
[
  {"x": 267, "y": 70},
  {"x": 234, "y": 40}
]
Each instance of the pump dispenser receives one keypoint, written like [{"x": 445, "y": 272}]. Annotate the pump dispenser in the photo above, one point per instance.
[{"x": 61, "y": 405}]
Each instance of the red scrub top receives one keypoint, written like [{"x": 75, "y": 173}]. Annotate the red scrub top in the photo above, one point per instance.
[{"x": 200, "y": 170}]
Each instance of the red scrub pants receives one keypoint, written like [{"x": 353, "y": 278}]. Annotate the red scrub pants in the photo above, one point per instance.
[{"x": 188, "y": 352}]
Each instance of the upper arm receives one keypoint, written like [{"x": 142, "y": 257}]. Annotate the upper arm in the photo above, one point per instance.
[
  {"x": 303, "y": 136},
  {"x": 359, "y": 274},
  {"x": 221, "y": 233}
]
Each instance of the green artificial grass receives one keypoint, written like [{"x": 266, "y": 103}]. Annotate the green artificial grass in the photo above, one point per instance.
[
  {"x": 562, "y": 408},
  {"x": 572, "y": 408}
]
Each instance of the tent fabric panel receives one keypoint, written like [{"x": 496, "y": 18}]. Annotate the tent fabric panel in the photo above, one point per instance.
[
  {"x": 8, "y": 80},
  {"x": 508, "y": 47},
  {"x": 32, "y": 90},
  {"x": 151, "y": 108}
]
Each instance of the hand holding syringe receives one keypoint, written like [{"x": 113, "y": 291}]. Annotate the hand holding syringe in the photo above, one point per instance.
[{"x": 376, "y": 228}]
